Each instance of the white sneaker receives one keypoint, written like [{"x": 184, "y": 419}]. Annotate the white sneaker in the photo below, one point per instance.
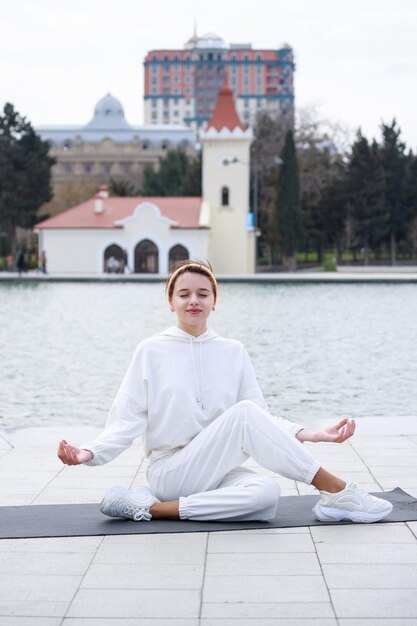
[
  {"x": 351, "y": 503},
  {"x": 131, "y": 504}
]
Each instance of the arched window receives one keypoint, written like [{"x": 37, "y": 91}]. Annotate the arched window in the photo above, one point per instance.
[
  {"x": 177, "y": 253},
  {"x": 114, "y": 260},
  {"x": 225, "y": 196},
  {"x": 146, "y": 257},
  {"x": 165, "y": 144}
]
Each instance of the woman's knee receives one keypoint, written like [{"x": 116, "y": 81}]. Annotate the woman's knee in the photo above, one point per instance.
[{"x": 266, "y": 493}]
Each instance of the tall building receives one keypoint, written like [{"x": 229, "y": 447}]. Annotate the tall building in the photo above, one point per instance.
[
  {"x": 156, "y": 232},
  {"x": 181, "y": 86},
  {"x": 109, "y": 147}
]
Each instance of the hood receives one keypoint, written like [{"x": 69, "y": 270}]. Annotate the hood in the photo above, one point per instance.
[{"x": 181, "y": 335}]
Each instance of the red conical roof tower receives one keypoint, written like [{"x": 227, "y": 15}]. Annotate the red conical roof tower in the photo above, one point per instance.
[{"x": 225, "y": 114}]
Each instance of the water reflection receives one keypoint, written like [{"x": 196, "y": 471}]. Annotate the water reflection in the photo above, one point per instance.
[{"x": 319, "y": 350}]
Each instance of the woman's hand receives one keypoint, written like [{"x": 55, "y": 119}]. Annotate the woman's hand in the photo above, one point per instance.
[
  {"x": 70, "y": 455},
  {"x": 335, "y": 434}
]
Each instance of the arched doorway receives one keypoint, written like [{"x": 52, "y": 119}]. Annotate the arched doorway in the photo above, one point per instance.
[
  {"x": 176, "y": 254},
  {"x": 146, "y": 258},
  {"x": 113, "y": 262}
]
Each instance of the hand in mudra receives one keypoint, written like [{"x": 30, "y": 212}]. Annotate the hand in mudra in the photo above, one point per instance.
[
  {"x": 335, "y": 434},
  {"x": 70, "y": 455},
  {"x": 339, "y": 433}
]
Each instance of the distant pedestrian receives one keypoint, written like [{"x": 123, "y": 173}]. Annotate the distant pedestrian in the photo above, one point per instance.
[
  {"x": 10, "y": 263},
  {"x": 42, "y": 262},
  {"x": 21, "y": 265}
]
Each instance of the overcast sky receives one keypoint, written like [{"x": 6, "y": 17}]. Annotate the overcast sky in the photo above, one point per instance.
[{"x": 356, "y": 60}]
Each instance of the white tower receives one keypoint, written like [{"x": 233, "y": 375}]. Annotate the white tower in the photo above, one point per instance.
[{"x": 226, "y": 180}]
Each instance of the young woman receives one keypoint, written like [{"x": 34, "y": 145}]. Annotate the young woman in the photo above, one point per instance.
[{"x": 195, "y": 398}]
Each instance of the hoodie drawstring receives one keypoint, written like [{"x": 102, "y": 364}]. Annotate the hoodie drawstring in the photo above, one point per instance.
[{"x": 199, "y": 397}]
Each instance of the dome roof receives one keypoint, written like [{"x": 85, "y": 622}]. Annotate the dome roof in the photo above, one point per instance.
[
  {"x": 210, "y": 40},
  {"x": 109, "y": 105},
  {"x": 108, "y": 113}
]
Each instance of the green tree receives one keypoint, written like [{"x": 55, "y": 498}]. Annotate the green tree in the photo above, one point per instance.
[
  {"x": 25, "y": 174},
  {"x": 178, "y": 174},
  {"x": 288, "y": 206},
  {"x": 122, "y": 187},
  {"x": 410, "y": 200},
  {"x": 393, "y": 161},
  {"x": 366, "y": 184},
  {"x": 267, "y": 145}
]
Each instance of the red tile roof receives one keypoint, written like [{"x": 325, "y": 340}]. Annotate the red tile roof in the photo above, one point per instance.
[
  {"x": 225, "y": 114},
  {"x": 184, "y": 210}
]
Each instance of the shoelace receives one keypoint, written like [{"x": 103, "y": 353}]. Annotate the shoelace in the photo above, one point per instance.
[{"x": 137, "y": 513}]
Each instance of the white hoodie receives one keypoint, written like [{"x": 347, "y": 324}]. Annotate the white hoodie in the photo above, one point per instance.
[{"x": 175, "y": 386}]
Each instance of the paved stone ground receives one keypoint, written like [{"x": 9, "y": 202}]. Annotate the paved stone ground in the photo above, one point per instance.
[{"x": 346, "y": 575}]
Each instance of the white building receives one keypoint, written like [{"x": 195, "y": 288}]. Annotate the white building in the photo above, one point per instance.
[{"x": 155, "y": 232}]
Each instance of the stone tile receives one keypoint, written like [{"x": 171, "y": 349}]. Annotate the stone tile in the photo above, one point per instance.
[
  {"x": 413, "y": 527},
  {"x": 406, "y": 482},
  {"x": 33, "y": 485},
  {"x": 30, "y": 621},
  {"x": 393, "y": 471},
  {"x": 296, "y": 530},
  {"x": 363, "y": 533},
  {"x": 31, "y": 587},
  {"x": 51, "y": 544},
  {"x": 220, "y": 542},
  {"x": 308, "y": 611},
  {"x": 253, "y": 564},
  {"x": 4, "y": 444},
  {"x": 371, "y": 576},
  {"x": 379, "y": 622},
  {"x": 405, "y": 458},
  {"x": 70, "y": 563},
  {"x": 32, "y": 609},
  {"x": 267, "y": 622},
  {"x": 152, "y": 554},
  {"x": 19, "y": 499},
  {"x": 85, "y": 621},
  {"x": 391, "y": 442},
  {"x": 53, "y": 495},
  {"x": 109, "y": 469},
  {"x": 135, "y": 576},
  {"x": 346, "y": 465},
  {"x": 373, "y": 603},
  {"x": 367, "y": 552},
  {"x": 248, "y": 589},
  {"x": 183, "y": 539},
  {"x": 95, "y": 481},
  {"x": 137, "y": 603}
]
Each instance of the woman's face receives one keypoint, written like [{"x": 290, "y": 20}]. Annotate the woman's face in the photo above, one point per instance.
[{"x": 192, "y": 301}]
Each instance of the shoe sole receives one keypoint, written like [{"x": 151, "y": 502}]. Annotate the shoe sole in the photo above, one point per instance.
[{"x": 327, "y": 514}]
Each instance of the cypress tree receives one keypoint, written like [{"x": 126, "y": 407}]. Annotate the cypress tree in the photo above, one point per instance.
[
  {"x": 367, "y": 189},
  {"x": 288, "y": 206},
  {"x": 394, "y": 163}
]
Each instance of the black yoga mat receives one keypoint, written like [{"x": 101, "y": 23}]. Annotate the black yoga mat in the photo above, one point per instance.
[{"x": 82, "y": 520}]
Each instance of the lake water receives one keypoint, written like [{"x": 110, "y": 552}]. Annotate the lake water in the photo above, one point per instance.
[{"x": 319, "y": 350}]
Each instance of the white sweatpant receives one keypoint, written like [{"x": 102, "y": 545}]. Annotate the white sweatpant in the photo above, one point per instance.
[{"x": 205, "y": 475}]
